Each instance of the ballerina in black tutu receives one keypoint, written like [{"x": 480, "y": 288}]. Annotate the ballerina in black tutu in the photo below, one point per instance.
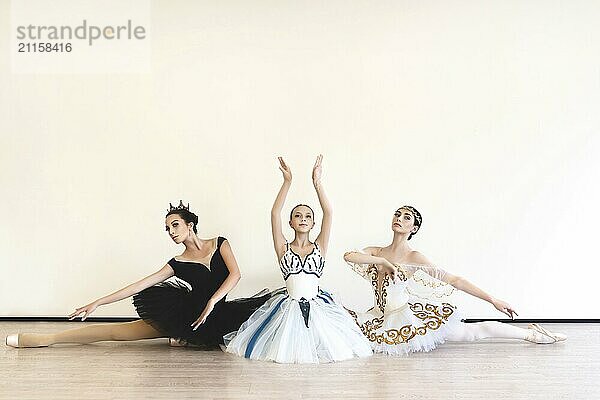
[{"x": 200, "y": 315}]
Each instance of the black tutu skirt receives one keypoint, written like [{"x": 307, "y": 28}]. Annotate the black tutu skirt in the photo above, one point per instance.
[{"x": 171, "y": 308}]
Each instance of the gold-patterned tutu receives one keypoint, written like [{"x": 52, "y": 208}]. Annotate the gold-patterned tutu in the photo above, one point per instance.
[{"x": 413, "y": 314}]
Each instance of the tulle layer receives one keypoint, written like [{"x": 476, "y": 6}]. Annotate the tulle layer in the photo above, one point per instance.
[
  {"x": 278, "y": 331},
  {"x": 171, "y": 308},
  {"x": 418, "y": 326}
]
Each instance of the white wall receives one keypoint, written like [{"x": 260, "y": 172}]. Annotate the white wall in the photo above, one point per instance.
[{"x": 483, "y": 115}]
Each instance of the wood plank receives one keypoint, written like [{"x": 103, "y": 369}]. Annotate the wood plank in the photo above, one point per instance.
[{"x": 151, "y": 369}]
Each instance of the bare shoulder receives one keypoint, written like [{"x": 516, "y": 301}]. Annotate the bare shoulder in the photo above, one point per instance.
[{"x": 415, "y": 257}]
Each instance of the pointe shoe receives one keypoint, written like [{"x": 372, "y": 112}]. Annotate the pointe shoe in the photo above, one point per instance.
[
  {"x": 12, "y": 340},
  {"x": 541, "y": 335},
  {"x": 177, "y": 343}
]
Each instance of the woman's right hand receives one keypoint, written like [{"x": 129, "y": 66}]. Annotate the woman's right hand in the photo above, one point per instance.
[
  {"x": 86, "y": 310},
  {"x": 285, "y": 170},
  {"x": 389, "y": 269},
  {"x": 504, "y": 308}
]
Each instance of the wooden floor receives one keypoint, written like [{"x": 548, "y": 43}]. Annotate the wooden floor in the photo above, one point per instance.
[{"x": 153, "y": 370}]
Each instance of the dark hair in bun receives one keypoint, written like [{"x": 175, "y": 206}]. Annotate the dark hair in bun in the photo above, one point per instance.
[
  {"x": 418, "y": 219},
  {"x": 186, "y": 215}
]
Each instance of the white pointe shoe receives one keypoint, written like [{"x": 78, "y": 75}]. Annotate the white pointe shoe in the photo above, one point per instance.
[
  {"x": 12, "y": 340},
  {"x": 541, "y": 335}
]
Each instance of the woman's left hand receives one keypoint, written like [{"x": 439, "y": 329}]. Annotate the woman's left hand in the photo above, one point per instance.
[
  {"x": 210, "y": 305},
  {"x": 504, "y": 308}
]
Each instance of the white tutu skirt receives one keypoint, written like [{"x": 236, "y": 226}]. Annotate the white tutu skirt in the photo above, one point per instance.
[
  {"x": 278, "y": 331},
  {"x": 417, "y": 326}
]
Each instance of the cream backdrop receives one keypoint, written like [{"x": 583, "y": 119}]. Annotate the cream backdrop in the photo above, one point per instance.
[{"x": 482, "y": 114}]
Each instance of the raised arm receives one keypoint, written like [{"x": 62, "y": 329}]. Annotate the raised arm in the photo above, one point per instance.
[
  {"x": 323, "y": 237},
  {"x": 228, "y": 284},
  {"x": 278, "y": 238},
  {"x": 162, "y": 274},
  {"x": 461, "y": 283}
]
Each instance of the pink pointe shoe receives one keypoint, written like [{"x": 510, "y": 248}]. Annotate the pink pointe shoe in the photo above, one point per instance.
[{"x": 540, "y": 335}]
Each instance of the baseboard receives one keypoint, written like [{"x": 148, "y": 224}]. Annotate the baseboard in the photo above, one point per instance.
[
  {"x": 538, "y": 320},
  {"x": 467, "y": 320},
  {"x": 66, "y": 319}
]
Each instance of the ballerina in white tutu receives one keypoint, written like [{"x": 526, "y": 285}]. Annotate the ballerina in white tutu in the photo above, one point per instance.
[
  {"x": 413, "y": 309},
  {"x": 301, "y": 323}
]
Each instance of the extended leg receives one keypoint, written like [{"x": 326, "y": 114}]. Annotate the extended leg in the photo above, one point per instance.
[
  {"x": 135, "y": 330},
  {"x": 488, "y": 329},
  {"x": 499, "y": 330}
]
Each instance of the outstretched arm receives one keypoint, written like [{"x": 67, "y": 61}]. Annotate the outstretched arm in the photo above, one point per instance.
[
  {"x": 228, "y": 284},
  {"x": 278, "y": 238},
  {"x": 323, "y": 238},
  {"x": 164, "y": 273},
  {"x": 463, "y": 284}
]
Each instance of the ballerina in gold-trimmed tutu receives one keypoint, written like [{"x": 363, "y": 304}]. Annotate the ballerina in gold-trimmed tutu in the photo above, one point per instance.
[{"x": 413, "y": 308}]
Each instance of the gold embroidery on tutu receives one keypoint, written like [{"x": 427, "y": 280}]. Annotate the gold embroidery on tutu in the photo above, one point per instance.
[
  {"x": 379, "y": 294},
  {"x": 380, "y": 290},
  {"x": 433, "y": 318}
]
